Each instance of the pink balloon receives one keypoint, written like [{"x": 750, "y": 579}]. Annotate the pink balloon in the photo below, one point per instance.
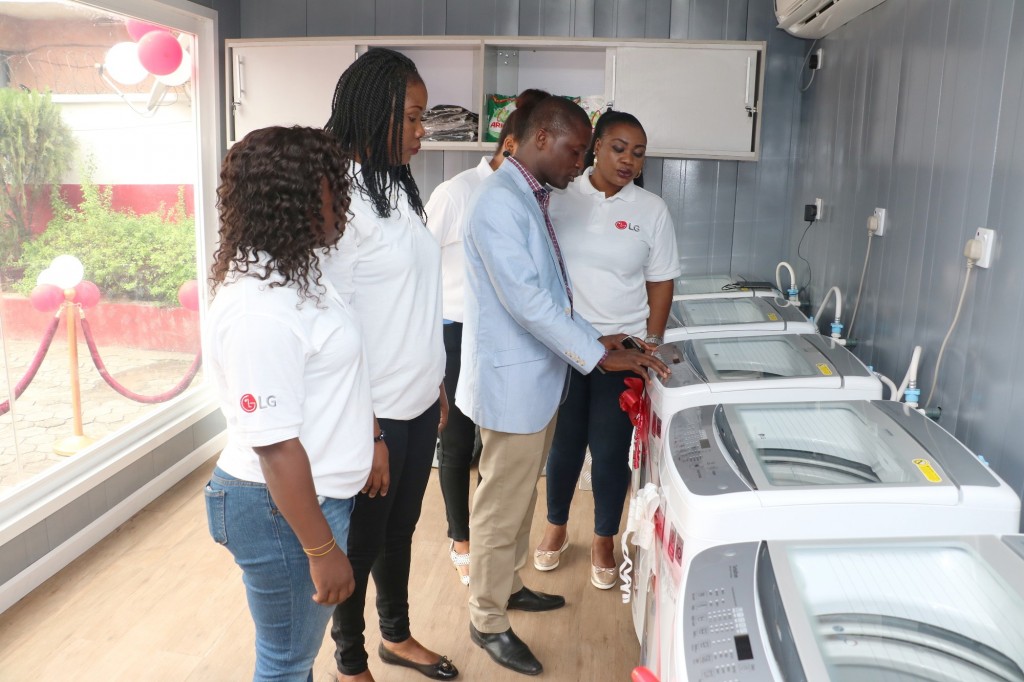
[
  {"x": 188, "y": 295},
  {"x": 137, "y": 29},
  {"x": 87, "y": 294},
  {"x": 46, "y": 298},
  {"x": 159, "y": 52}
]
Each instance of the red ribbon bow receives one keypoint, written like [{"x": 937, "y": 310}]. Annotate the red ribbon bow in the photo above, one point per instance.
[{"x": 635, "y": 403}]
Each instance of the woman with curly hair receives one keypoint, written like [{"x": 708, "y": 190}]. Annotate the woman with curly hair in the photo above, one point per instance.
[
  {"x": 390, "y": 267},
  {"x": 286, "y": 357}
]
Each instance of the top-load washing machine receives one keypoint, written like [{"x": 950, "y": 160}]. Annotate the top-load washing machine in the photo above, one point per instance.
[
  {"x": 720, "y": 286},
  {"x": 945, "y": 609},
  {"x": 781, "y": 368},
  {"x": 738, "y": 370},
  {"x": 749, "y": 316},
  {"x": 772, "y": 471}
]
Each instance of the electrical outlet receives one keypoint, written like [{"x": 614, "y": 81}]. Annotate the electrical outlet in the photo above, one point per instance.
[
  {"x": 987, "y": 238},
  {"x": 819, "y": 206},
  {"x": 879, "y": 216},
  {"x": 815, "y": 61}
]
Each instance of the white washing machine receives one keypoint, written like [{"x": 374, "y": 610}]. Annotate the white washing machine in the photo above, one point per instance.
[
  {"x": 773, "y": 471},
  {"x": 720, "y": 286},
  {"x": 722, "y": 317},
  {"x": 781, "y": 368},
  {"x": 777, "y": 368},
  {"x": 945, "y": 609}
]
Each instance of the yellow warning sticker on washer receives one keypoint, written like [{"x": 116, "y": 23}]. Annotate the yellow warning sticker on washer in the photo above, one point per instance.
[
  {"x": 824, "y": 369},
  {"x": 926, "y": 468},
  {"x": 773, "y": 317}
]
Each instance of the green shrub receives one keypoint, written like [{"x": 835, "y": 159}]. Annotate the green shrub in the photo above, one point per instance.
[
  {"x": 36, "y": 147},
  {"x": 128, "y": 256}
]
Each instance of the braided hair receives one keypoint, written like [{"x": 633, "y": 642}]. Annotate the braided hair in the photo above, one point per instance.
[
  {"x": 367, "y": 117},
  {"x": 270, "y": 200}
]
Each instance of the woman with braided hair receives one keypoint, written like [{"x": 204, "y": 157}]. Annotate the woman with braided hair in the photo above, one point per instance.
[{"x": 389, "y": 267}]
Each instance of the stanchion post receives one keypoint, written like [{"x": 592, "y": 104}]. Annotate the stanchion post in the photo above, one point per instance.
[{"x": 74, "y": 443}]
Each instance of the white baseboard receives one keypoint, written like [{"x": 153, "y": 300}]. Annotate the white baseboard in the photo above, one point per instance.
[{"x": 42, "y": 570}]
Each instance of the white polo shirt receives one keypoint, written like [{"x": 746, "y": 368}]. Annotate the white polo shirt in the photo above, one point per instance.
[
  {"x": 612, "y": 247},
  {"x": 390, "y": 271},
  {"x": 446, "y": 219},
  {"x": 288, "y": 367}
]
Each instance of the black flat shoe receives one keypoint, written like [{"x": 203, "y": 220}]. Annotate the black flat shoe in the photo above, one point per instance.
[
  {"x": 442, "y": 670},
  {"x": 528, "y": 600},
  {"x": 507, "y": 650}
]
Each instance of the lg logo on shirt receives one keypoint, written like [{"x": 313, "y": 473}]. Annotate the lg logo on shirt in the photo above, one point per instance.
[
  {"x": 623, "y": 225},
  {"x": 251, "y": 403}
]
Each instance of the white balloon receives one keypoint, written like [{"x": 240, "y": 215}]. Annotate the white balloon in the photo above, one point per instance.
[
  {"x": 46, "y": 277},
  {"x": 180, "y": 75},
  {"x": 123, "y": 65},
  {"x": 67, "y": 271}
]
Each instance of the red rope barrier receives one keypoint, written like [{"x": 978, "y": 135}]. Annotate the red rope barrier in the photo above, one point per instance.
[
  {"x": 30, "y": 374},
  {"x": 127, "y": 393}
]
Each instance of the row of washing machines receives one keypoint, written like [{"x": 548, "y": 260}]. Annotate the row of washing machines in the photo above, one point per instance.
[{"x": 805, "y": 530}]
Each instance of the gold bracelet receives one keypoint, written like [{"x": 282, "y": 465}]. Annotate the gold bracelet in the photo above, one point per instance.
[{"x": 330, "y": 544}]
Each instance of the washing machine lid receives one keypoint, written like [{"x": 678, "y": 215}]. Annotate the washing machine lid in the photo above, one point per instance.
[
  {"x": 807, "y": 445},
  {"x": 721, "y": 285},
  {"x": 783, "y": 360},
  {"x": 753, "y": 313},
  {"x": 902, "y": 610}
]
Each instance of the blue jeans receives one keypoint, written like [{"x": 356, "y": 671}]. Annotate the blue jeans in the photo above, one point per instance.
[
  {"x": 591, "y": 416},
  {"x": 290, "y": 626}
]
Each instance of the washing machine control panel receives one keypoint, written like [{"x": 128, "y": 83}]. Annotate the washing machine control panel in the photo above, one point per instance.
[
  {"x": 696, "y": 455},
  {"x": 721, "y": 636}
]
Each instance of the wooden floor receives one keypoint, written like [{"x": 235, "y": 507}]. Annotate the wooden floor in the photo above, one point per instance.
[{"x": 158, "y": 600}]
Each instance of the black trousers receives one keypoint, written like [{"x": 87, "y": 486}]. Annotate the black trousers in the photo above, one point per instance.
[
  {"x": 460, "y": 443},
  {"x": 380, "y": 541}
]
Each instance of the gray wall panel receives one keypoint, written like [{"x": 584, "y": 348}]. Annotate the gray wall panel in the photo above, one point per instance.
[
  {"x": 545, "y": 18},
  {"x": 658, "y": 19},
  {"x": 273, "y": 18},
  {"x": 482, "y": 17},
  {"x": 920, "y": 109},
  {"x": 339, "y": 18}
]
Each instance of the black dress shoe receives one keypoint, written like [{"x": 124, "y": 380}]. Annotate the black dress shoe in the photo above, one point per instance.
[
  {"x": 442, "y": 670},
  {"x": 507, "y": 650},
  {"x": 528, "y": 600}
]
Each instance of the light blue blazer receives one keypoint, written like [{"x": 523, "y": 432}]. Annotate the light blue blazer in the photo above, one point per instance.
[{"x": 519, "y": 338}]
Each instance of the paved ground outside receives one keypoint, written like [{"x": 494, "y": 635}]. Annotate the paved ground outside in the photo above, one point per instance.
[{"x": 42, "y": 416}]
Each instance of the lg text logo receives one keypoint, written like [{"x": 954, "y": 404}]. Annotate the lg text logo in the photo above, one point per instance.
[
  {"x": 623, "y": 225},
  {"x": 251, "y": 403}
]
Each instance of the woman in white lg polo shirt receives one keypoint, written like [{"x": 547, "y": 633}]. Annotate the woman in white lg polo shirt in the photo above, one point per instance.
[
  {"x": 619, "y": 245},
  {"x": 286, "y": 357},
  {"x": 390, "y": 267}
]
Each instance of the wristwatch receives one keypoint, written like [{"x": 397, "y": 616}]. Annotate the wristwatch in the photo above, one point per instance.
[
  {"x": 379, "y": 438},
  {"x": 655, "y": 340}
]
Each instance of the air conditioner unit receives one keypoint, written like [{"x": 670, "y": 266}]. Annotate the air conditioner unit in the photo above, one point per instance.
[{"x": 818, "y": 18}]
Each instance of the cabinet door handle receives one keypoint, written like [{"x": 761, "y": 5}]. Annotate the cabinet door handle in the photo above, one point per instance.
[
  {"x": 748, "y": 97},
  {"x": 239, "y": 82}
]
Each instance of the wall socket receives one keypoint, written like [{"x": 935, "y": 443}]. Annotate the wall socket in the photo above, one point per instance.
[
  {"x": 819, "y": 206},
  {"x": 880, "y": 222},
  {"x": 987, "y": 238}
]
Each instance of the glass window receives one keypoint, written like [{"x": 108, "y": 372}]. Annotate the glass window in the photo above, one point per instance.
[{"x": 102, "y": 214}]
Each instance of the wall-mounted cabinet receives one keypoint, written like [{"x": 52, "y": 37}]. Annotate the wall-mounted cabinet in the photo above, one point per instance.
[{"x": 696, "y": 99}]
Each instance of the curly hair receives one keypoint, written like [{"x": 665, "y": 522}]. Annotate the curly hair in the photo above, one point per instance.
[
  {"x": 367, "y": 112},
  {"x": 270, "y": 201}
]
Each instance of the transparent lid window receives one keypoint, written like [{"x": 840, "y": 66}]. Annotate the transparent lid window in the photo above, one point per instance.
[
  {"x": 749, "y": 358},
  {"x": 703, "y": 284},
  {"x": 705, "y": 312},
  {"x": 841, "y": 443},
  {"x": 907, "y": 612}
]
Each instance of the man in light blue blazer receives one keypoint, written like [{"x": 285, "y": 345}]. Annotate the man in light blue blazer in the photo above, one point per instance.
[{"x": 520, "y": 338}]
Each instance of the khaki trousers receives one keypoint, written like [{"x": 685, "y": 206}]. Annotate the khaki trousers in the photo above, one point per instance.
[{"x": 510, "y": 466}]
